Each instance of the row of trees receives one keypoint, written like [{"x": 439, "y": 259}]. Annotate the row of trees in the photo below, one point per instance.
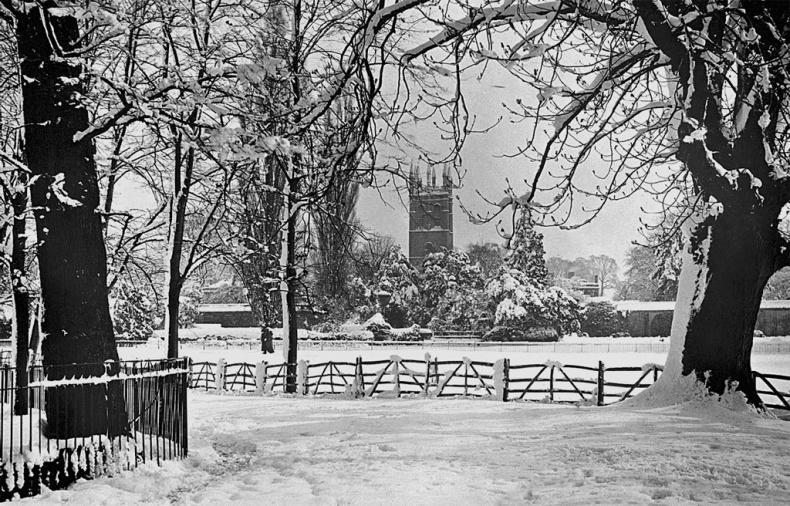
[
  {"x": 507, "y": 296},
  {"x": 675, "y": 98},
  {"x": 239, "y": 121}
]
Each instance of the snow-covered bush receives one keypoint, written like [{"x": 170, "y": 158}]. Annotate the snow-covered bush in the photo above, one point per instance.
[
  {"x": 133, "y": 313},
  {"x": 525, "y": 250},
  {"x": 462, "y": 309},
  {"x": 601, "y": 319},
  {"x": 333, "y": 331},
  {"x": 519, "y": 304},
  {"x": 6, "y": 326},
  {"x": 188, "y": 308},
  {"x": 400, "y": 280},
  {"x": 451, "y": 291},
  {"x": 505, "y": 333}
]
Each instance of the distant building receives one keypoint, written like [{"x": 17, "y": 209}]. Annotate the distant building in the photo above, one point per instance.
[
  {"x": 588, "y": 288},
  {"x": 655, "y": 318},
  {"x": 430, "y": 213}
]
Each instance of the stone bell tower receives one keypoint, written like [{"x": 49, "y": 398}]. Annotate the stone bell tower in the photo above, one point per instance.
[{"x": 430, "y": 213}]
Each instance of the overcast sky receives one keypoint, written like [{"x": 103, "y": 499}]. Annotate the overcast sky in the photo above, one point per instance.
[{"x": 486, "y": 170}]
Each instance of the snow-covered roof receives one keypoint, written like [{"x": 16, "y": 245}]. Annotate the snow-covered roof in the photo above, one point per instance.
[
  {"x": 641, "y": 305},
  {"x": 669, "y": 305},
  {"x": 224, "y": 308}
]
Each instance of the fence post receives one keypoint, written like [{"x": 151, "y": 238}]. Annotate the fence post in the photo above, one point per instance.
[
  {"x": 301, "y": 377},
  {"x": 655, "y": 374},
  {"x": 359, "y": 379},
  {"x": 189, "y": 373},
  {"x": 551, "y": 384},
  {"x": 601, "y": 370},
  {"x": 501, "y": 380},
  {"x": 427, "y": 374},
  {"x": 260, "y": 377},
  {"x": 396, "y": 373},
  {"x": 506, "y": 380},
  {"x": 219, "y": 374}
]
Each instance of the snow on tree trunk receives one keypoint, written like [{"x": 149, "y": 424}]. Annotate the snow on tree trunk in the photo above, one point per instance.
[
  {"x": 719, "y": 293},
  {"x": 76, "y": 325}
]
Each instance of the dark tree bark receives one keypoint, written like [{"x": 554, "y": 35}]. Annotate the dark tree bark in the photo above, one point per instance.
[
  {"x": 182, "y": 180},
  {"x": 290, "y": 328},
  {"x": 76, "y": 324},
  {"x": 719, "y": 336},
  {"x": 21, "y": 297}
]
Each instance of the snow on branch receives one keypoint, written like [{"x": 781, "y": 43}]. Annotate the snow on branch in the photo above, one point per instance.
[{"x": 516, "y": 12}]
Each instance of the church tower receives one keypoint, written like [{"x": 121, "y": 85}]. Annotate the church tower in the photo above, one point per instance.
[{"x": 430, "y": 213}]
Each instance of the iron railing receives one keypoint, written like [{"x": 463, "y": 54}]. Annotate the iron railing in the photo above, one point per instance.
[{"x": 85, "y": 420}]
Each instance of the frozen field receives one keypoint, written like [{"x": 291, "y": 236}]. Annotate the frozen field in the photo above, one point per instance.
[{"x": 277, "y": 450}]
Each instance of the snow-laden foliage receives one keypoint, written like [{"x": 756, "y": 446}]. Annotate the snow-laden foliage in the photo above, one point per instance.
[
  {"x": 133, "y": 312},
  {"x": 520, "y": 304},
  {"x": 525, "y": 250},
  {"x": 451, "y": 291},
  {"x": 462, "y": 308},
  {"x": 601, "y": 319},
  {"x": 188, "y": 307},
  {"x": 399, "y": 280}
]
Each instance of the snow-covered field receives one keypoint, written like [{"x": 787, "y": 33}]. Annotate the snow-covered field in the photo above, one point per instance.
[
  {"x": 278, "y": 450},
  {"x": 311, "y": 450}
]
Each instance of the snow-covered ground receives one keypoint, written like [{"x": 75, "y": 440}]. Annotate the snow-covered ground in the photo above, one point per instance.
[
  {"x": 278, "y": 450},
  {"x": 248, "y": 449}
]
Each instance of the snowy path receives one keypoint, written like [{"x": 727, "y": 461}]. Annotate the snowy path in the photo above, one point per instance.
[{"x": 254, "y": 450}]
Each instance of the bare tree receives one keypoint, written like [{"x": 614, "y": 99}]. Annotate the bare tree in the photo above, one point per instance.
[
  {"x": 605, "y": 267},
  {"x": 673, "y": 95},
  {"x": 64, "y": 193}
]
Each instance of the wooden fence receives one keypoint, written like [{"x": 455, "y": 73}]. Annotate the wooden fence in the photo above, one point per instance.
[{"x": 549, "y": 382}]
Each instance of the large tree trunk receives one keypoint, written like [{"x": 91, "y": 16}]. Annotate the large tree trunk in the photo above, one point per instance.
[
  {"x": 174, "y": 284},
  {"x": 288, "y": 280},
  {"x": 290, "y": 329},
  {"x": 76, "y": 323},
  {"x": 21, "y": 297},
  {"x": 727, "y": 261}
]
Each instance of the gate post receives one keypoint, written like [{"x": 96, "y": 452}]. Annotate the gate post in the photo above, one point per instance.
[
  {"x": 601, "y": 370},
  {"x": 501, "y": 378},
  {"x": 359, "y": 379},
  {"x": 506, "y": 379},
  {"x": 427, "y": 374},
  {"x": 189, "y": 372},
  {"x": 260, "y": 377},
  {"x": 302, "y": 373},
  {"x": 219, "y": 374}
]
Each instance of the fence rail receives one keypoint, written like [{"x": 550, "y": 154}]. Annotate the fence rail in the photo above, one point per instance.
[
  {"x": 85, "y": 420},
  {"x": 395, "y": 377}
]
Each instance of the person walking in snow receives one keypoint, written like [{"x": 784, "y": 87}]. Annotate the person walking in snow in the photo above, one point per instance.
[{"x": 267, "y": 340}]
